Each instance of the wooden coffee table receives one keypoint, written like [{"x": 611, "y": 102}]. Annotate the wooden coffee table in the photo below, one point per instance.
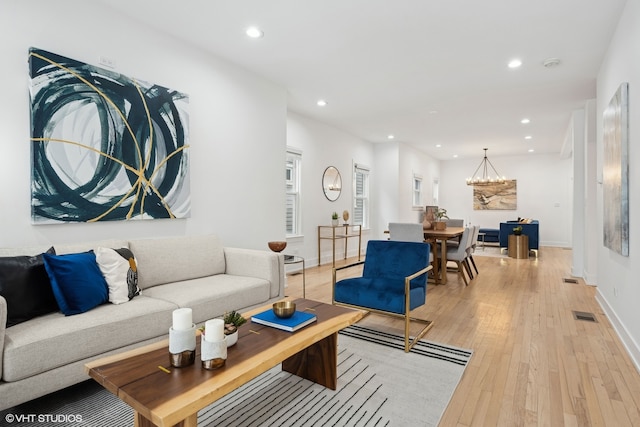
[{"x": 167, "y": 399}]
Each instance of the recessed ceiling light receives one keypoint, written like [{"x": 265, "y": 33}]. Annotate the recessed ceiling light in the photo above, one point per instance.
[
  {"x": 528, "y": 137},
  {"x": 254, "y": 32},
  {"x": 321, "y": 103},
  {"x": 390, "y": 136},
  {"x": 438, "y": 145},
  {"x": 515, "y": 63},
  {"x": 525, "y": 121},
  {"x": 433, "y": 112},
  {"x": 455, "y": 156},
  {"x": 531, "y": 150}
]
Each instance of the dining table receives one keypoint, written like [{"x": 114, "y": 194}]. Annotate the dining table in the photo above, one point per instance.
[{"x": 441, "y": 237}]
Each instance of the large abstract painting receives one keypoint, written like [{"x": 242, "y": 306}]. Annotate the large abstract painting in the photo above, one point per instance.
[
  {"x": 104, "y": 146},
  {"x": 498, "y": 196},
  {"x": 615, "y": 173}
]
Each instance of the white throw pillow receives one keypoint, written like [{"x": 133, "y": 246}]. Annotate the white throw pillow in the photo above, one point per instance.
[{"x": 119, "y": 270}]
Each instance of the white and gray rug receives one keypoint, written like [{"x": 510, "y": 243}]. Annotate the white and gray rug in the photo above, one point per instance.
[
  {"x": 378, "y": 385},
  {"x": 490, "y": 251}
]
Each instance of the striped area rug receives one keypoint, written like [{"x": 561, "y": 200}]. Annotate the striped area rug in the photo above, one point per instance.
[{"x": 378, "y": 385}]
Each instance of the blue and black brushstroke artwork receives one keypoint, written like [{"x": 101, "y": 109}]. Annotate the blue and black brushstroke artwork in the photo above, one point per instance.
[{"x": 104, "y": 146}]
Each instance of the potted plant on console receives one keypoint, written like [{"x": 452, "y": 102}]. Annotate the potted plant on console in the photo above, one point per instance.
[
  {"x": 440, "y": 214},
  {"x": 517, "y": 230},
  {"x": 334, "y": 219}
]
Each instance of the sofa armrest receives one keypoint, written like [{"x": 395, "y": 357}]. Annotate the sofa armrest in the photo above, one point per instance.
[
  {"x": 3, "y": 327},
  {"x": 255, "y": 263}
]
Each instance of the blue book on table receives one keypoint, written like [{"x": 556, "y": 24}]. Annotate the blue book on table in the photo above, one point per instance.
[{"x": 299, "y": 320}]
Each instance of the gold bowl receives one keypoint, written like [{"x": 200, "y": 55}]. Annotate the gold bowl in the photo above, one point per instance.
[
  {"x": 277, "y": 246},
  {"x": 284, "y": 309}
]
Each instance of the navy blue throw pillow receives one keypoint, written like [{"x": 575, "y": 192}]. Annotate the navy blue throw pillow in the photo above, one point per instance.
[{"x": 77, "y": 282}]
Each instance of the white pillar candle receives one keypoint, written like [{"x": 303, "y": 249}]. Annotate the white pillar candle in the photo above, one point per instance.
[
  {"x": 214, "y": 330},
  {"x": 182, "y": 319}
]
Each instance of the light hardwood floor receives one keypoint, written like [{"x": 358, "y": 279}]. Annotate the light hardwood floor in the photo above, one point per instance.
[{"x": 533, "y": 362}]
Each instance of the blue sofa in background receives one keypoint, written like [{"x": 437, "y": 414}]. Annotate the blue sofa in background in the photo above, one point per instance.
[{"x": 530, "y": 229}]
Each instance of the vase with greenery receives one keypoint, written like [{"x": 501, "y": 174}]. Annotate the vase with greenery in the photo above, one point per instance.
[
  {"x": 440, "y": 215},
  {"x": 334, "y": 218},
  {"x": 517, "y": 230}
]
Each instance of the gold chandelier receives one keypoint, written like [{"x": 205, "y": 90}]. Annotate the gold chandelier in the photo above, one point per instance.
[{"x": 486, "y": 179}]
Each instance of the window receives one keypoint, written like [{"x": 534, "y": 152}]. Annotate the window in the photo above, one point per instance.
[
  {"x": 436, "y": 190},
  {"x": 361, "y": 195},
  {"x": 417, "y": 191},
  {"x": 292, "y": 171}
]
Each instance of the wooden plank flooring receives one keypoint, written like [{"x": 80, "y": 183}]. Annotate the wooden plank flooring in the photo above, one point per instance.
[{"x": 534, "y": 364}]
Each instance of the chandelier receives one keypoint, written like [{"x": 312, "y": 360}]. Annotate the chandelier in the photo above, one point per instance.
[{"x": 486, "y": 179}]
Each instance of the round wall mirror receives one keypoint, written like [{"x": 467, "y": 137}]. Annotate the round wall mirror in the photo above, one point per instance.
[{"x": 331, "y": 183}]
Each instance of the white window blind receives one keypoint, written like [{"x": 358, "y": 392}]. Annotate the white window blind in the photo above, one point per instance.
[
  {"x": 361, "y": 195},
  {"x": 292, "y": 170},
  {"x": 417, "y": 191}
]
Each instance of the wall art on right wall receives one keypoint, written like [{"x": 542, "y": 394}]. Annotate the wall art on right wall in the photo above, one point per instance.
[{"x": 615, "y": 172}]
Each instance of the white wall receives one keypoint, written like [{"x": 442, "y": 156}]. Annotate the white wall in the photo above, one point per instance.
[
  {"x": 544, "y": 185},
  {"x": 237, "y": 125},
  {"x": 396, "y": 164},
  {"x": 323, "y": 146},
  {"x": 618, "y": 286}
]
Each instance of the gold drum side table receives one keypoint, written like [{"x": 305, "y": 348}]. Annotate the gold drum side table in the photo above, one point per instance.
[{"x": 518, "y": 246}]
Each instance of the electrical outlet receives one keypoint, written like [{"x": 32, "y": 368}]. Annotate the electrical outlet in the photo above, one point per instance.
[
  {"x": 107, "y": 62},
  {"x": 615, "y": 291}
]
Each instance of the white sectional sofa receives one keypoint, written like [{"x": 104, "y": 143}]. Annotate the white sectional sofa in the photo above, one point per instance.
[{"x": 48, "y": 352}]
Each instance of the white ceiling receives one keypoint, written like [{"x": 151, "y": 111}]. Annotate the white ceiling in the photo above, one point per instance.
[{"x": 428, "y": 72}]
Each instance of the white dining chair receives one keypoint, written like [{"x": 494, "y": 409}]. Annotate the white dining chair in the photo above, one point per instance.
[
  {"x": 473, "y": 242},
  {"x": 459, "y": 255},
  {"x": 407, "y": 232}
]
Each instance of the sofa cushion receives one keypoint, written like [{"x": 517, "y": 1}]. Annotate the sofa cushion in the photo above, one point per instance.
[
  {"x": 174, "y": 259},
  {"x": 25, "y": 285},
  {"x": 212, "y": 296},
  {"x": 55, "y": 340},
  {"x": 77, "y": 282},
  {"x": 118, "y": 266}
]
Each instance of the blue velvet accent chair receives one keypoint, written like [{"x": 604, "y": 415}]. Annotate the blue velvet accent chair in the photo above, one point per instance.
[{"x": 393, "y": 282}]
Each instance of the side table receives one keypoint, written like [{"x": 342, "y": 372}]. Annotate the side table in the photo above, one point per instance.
[
  {"x": 295, "y": 259},
  {"x": 518, "y": 246},
  {"x": 339, "y": 232}
]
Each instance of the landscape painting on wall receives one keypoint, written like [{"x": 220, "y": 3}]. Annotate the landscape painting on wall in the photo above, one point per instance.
[
  {"x": 498, "y": 196},
  {"x": 615, "y": 172},
  {"x": 104, "y": 146}
]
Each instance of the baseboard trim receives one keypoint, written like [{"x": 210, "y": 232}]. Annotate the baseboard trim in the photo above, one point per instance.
[{"x": 627, "y": 340}]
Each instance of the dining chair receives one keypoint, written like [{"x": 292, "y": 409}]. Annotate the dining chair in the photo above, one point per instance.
[
  {"x": 459, "y": 255},
  {"x": 407, "y": 232},
  {"x": 473, "y": 242},
  {"x": 454, "y": 222}
]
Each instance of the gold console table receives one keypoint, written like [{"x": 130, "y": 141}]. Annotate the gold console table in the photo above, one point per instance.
[{"x": 339, "y": 232}]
